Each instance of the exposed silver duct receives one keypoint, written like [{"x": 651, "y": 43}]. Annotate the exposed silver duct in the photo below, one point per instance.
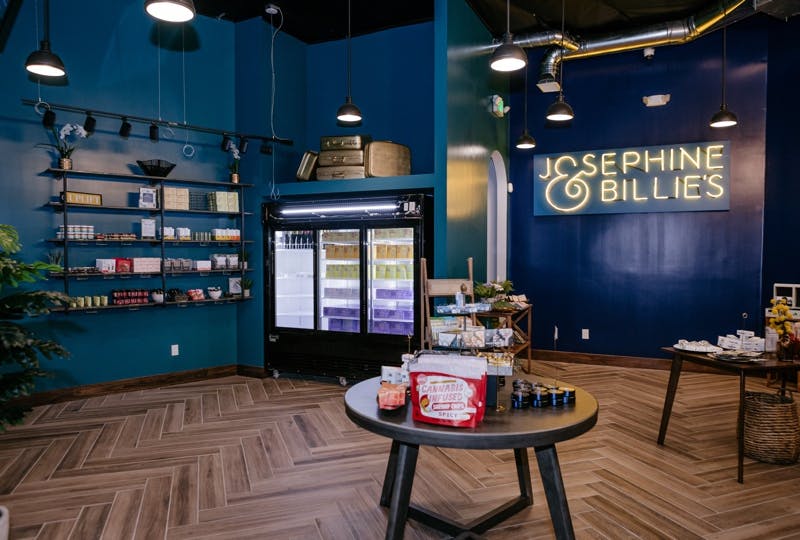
[{"x": 668, "y": 33}]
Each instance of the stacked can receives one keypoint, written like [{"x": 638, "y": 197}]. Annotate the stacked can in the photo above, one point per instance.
[{"x": 525, "y": 395}]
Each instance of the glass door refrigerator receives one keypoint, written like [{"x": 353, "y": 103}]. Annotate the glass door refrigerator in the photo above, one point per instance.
[{"x": 343, "y": 293}]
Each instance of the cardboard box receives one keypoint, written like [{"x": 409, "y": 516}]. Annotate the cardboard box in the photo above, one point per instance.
[
  {"x": 146, "y": 265},
  {"x": 202, "y": 265}
]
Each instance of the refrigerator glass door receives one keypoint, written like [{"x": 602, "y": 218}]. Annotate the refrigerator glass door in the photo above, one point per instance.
[
  {"x": 340, "y": 280},
  {"x": 390, "y": 280},
  {"x": 294, "y": 278}
]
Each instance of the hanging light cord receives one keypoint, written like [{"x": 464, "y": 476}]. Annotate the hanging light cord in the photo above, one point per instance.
[
  {"x": 36, "y": 26},
  {"x": 561, "y": 52},
  {"x": 274, "y": 192},
  {"x": 525, "y": 102},
  {"x": 158, "y": 63},
  {"x": 349, "y": 52},
  {"x": 724, "y": 61},
  {"x": 508, "y": 16}
]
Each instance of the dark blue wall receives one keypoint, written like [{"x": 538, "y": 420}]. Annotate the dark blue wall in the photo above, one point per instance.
[
  {"x": 781, "y": 258},
  {"x": 640, "y": 281}
]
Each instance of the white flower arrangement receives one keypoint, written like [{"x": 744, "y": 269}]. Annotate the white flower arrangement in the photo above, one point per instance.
[
  {"x": 62, "y": 146},
  {"x": 234, "y": 166}
]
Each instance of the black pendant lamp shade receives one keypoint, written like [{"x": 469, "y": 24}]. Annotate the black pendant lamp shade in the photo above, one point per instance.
[
  {"x": 723, "y": 117},
  {"x": 43, "y": 61},
  {"x": 170, "y": 10},
  {"x": 348, "y": 113},
  {"x": 508, "y": 56},
  {"x": 525, "y": 141},
  {"x": 560, "y": 111}
]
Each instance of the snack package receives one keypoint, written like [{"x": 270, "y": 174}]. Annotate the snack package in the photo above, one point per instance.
[
  {"x": 391, "y": 396},
  {"x": 448, "y": 390}
]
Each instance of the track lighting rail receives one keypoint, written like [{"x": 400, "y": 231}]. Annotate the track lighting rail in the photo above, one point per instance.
[{"x": 156, "y": 122}]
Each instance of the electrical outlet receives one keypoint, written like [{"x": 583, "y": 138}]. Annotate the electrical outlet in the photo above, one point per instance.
[
  {"x": 584, "y": 333},
  {"x": 175, "y": 349}
]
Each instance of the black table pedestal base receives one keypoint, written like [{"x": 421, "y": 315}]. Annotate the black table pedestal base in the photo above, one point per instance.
[{"x": 399, "y": 478}]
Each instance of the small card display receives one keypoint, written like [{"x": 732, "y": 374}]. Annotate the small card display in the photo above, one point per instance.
[
  {"x": 148, "y": 197},
  {"x": 89, "y": 199}
]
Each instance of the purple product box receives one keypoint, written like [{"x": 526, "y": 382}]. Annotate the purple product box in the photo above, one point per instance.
[{"x": 335, "y": 324}]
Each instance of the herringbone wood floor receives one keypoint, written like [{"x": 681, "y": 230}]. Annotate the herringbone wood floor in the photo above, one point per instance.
[{"x": 277, "y": 458}]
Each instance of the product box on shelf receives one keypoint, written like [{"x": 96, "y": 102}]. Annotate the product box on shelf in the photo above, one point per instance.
[
  {"x": 123, "y": 265},
  {"x": 201, "y": 265},
  {"x": 146, "y": 265},
  {"x": 176, "y": 198},
  {"x": 106, "y": 266},
  {"x": 184, "y": 233},
  {"x": 169, "y": 233}
]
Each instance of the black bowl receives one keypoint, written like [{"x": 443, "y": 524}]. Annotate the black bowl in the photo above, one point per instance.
[{"x": 156, "y": 167}]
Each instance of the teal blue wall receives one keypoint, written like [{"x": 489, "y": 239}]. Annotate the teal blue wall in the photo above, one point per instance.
[
  {"x": 472, "y": 134},
  {"x": 111, "y": 55}
]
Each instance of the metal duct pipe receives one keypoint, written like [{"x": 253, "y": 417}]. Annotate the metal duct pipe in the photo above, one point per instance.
[{"x": 668, "y": 33}]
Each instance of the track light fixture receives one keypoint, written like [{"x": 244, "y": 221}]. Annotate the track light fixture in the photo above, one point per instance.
[
  {"x": 154, "y": 132},
  {"x": 43, "y": 61},
  {"x": 508, "y": 56},
  {"x": 723, "y": 117},
  {"x": 225, "y": 145},
  {"x": 49, "y": 118},
  {"x": 125, "y": 128},
  {"x": 349, "y": 113},
  {"x": 560, "y": 111},
  {"x": 170, "y": 10},
  {"x": 243, "y": 144},
  {"x": 90, "y": 123}
]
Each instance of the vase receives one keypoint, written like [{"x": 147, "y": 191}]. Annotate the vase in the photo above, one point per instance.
[
  {"x": 235, "y": 178},
  {"x": 786, "y": 351},
  {"x": 65, "y": 163}
]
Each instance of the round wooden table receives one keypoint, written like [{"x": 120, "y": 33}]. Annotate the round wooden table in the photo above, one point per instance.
[{"x": 517, "y": 429}]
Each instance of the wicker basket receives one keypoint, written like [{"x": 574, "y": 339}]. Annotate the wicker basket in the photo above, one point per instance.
[{"x": 771, "y": 428}]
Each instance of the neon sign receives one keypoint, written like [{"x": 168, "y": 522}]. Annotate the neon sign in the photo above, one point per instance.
[{"x": 672, "y": 178}]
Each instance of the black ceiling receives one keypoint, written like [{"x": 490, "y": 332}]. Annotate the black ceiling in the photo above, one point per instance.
[{"x": 314, "y": 21}]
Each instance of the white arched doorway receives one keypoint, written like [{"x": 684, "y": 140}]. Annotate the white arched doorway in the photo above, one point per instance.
[{"x": 496, "y": 219}]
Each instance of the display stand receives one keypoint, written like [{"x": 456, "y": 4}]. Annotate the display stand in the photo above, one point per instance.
[{"x": 520, "y": 322}]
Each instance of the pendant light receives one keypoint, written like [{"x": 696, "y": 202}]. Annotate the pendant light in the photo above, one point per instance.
[
  {"x": 508, "y": 56},
  {"x": 348, "y": 113},
  {"x": 560, "y": 111},
  {"x": 723, "y": 117},
  {"x": 525, "y": 141},
  {"x": 43, "y": 61},
  {"x": 170, "y": 10}
]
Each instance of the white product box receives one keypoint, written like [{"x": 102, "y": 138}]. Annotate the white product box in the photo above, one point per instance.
[
  {"x": 145, "y": 265},
  {"x": 184, "y": 233},
  {"x": 169, "y": 233},
  {"x": 201, "y": 265},
  {"x": 106, "y": 266}
]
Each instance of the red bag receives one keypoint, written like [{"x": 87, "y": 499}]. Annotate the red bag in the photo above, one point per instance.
[{"x": 450, "y": 391}]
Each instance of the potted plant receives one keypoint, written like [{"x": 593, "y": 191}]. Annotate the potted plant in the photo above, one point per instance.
[
  {"x": 234, "y": 165},
  {"x": 244, "y": 256},
  {"x": 20, "y": 348},
  {"x": 62, "y": 146},
  {"x": 247, "y": 284}
]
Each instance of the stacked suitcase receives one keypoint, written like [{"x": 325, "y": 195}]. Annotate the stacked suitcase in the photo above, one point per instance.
[{"x": 355, "y": 156}]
